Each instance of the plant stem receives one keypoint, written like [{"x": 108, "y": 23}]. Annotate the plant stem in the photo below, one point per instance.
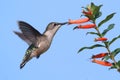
[{"x": 106, "y": 46}]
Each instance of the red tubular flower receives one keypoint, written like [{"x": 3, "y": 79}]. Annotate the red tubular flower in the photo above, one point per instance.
[
  {"x": 87, "y": 26},
  {"x": 104, "y": 63},
  {"x": 100, "y": 39},
  {"x": 79, "y": 21},
  {"x": 100, "y": 55}
]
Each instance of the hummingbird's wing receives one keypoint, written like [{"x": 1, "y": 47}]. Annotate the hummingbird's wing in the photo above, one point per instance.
[
  {"x": 23, "y": 37},
  {"x": 30, "y": 33}
]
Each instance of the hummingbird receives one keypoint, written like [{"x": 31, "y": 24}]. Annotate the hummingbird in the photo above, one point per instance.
[{"x": 38, "y": 43}]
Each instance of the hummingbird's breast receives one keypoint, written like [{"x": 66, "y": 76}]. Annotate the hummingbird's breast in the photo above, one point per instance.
[{"x": 43, "y": 45}]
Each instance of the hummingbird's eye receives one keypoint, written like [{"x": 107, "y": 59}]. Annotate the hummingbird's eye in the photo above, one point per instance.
[{"x": 54, "y": 24}]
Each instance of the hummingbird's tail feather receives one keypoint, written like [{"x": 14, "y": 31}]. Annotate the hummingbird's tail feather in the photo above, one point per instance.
[
  {"x": 25, "y": 60},
  {"x": 22, "y": 64}
]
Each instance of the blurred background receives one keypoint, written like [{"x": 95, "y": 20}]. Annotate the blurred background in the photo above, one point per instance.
[{"x": 61, "y": 61}]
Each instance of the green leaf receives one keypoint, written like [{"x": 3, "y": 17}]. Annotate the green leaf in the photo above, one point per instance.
[
  {"x": 111, "y": 26},
  {"x": 92, "y": 33},
  {"x": 96, "y": 11},
  {"x": 106, "y": 58},
  {"x": 106, "y": 19},
  {"x": 93, "y": 6},
  {"x": 91, "y": 47},
  {"x": 98, "y": 15},
  {"x": 115, "y": 52},
  {"x": 114, "y": 39}
]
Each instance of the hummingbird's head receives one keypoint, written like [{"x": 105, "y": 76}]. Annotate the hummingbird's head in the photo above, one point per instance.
[{"x": 52, "y": 28}]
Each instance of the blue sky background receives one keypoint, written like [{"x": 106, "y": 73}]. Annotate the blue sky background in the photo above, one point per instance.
[{"x": 61, "y": 61}]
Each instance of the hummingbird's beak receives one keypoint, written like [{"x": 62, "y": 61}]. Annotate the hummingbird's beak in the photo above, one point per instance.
[{"x": 62, "y": 23}]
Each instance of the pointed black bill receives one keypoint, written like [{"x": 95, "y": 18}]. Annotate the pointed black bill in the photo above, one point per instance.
[{"x": 62, "y": 23}]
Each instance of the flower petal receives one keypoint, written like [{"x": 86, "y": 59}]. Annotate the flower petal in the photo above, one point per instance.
[{"x": 79, "y": 21}]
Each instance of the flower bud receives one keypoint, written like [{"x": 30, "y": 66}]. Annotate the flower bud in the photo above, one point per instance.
[
  {"x": 101, "y": 55},
  {"x": 100, "y": 39}
]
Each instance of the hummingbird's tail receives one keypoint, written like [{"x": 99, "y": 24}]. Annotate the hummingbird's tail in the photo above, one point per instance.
[
  {"x": 25, "y": 60},
  {"x": 22, "y": 64},
  {"x": 27, "y": 56}
]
